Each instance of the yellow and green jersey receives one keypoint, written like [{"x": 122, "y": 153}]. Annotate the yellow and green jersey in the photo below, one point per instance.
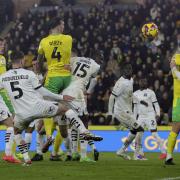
[
  {"x": 2, "y": 64},
  {"x": 57, "y": 50},
  {"x": 3, "y": 92},
  {"x": 176, "y": 93}
]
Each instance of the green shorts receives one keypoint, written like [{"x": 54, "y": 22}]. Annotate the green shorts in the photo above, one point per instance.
[
  {"x": 57, "y": 84},
  {"x": 7, "y": 101},
  {"x": 176, "y": 112}
]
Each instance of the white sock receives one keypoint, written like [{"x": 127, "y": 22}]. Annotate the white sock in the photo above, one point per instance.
[
  {"x": 138, "y": 142},
  {"x": 28, "y": 139},
  {"x": 67, "y": 143},
  {"x": 39, "y": 143},
  {"x": 74, "y": 140},
  {"x": 22, "y": 146},
  {"x": 128, "y": 141},
  {"x": 9, "y": 137},
  {"x": 159, "y": 141},
  {"x": 83, "y": 145},
  {"x": 92, "y": 145},
  {"x": 169, "y": 156},
  {"x": 75, "y": 121}
]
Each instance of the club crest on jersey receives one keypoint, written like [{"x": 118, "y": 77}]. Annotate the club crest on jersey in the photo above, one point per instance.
[{"x": 51, "y": 110}]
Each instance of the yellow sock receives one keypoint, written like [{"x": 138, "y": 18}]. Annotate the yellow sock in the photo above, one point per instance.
[
  {"x": 171, "y": 142},
  {"x": 57, "y": 142},
  {"x": 49, "y": 126}
]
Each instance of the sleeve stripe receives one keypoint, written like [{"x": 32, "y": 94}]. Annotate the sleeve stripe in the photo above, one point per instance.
[
  {"x": 114, "y": 94},
  {"x": 154, "y": 102},
  {"x": 38, "y": 87}
]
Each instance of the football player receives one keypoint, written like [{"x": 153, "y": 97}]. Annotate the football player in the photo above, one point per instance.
[
  {"x": 120, "y": 107},
  {"x": 56, "y": 49},
  {"x": 23, "y": 88},
  {"x": 147, "y": 114}
]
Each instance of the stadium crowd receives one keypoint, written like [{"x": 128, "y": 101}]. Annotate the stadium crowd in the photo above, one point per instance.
[
  {"x": 117, "y": 33},
  {"x": 6, "y": 12}
]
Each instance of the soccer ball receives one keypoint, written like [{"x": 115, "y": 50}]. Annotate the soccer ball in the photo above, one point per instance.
[{"x": 150, "y": 30}]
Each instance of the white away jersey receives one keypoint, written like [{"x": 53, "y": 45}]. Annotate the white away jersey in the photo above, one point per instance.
[
  {"x": 149, "y": 97},
  {"x": 123, "y": 91},
  {"x": 83, "y": 69},
  {"x": 20, "y": 85}
]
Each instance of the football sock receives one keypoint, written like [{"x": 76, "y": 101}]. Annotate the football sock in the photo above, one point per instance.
[
  {"x": 138, "y": 142},
  {"x": 128, "y": 141},
  {"x": 83, "y": 147},
  {"x": 28, "y": 139},
  {"x": 75, "y": 121},
  {"x": 9, "y": 137},
  {"x": 159, "y": 141},
  {"x": 48, "y": 125},
  {"x": 171, "y": 144},
  {"x": 67, "y": 144},
  {"x": 39, "y": 145},
  {"x": 57, "y": 143},
  {"x": 92, "y": 145},
  {"x": 74, "y": 140},
  {"x": 22, "y": 146}
]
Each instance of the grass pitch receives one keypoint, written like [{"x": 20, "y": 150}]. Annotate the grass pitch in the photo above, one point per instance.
[{"x": 109, "y": 167}]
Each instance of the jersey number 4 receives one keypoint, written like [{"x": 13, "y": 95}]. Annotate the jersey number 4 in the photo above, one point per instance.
[
  {"x": 14, "y": 88},
  {"x": 81, "y": 70},
  {"x": 56, "y": 54}
]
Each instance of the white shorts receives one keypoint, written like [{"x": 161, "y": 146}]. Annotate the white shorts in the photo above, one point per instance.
[
  {"x": 127, "y": 119},
  {"x": 79, "y": 104},
  {"x": 4, "y": 111},
  {"x": 149, "y": 122},
  {"x": 41, "y": 109}
]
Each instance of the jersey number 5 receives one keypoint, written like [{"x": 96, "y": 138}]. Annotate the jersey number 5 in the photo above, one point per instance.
[
  {"x": 56, "y": 54},
  {"x": 14, "y": 88}
]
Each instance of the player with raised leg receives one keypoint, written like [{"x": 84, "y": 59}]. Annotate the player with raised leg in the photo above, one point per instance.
[
  {"x": 23, "y": 87},
  {"x": 83, "y": 69}
]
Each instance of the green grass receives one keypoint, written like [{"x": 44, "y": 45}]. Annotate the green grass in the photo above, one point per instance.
[{"x": 109, "y": 167}]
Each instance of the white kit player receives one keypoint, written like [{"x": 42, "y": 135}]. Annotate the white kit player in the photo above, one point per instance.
[
  {"x": 83, "y": 69},
  {"x": 147, "y": 114},
  {"x": 23, "y": 87},
  {"x": 120, "y": 107},
  {"x": 7, "y": 120}
]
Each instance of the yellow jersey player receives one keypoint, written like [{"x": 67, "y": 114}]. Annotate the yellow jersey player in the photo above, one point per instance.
[
  {"x": 56, "y": 49},
  {"x": 175, "y": 68},
  {"x": 3, "y": 70}
]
